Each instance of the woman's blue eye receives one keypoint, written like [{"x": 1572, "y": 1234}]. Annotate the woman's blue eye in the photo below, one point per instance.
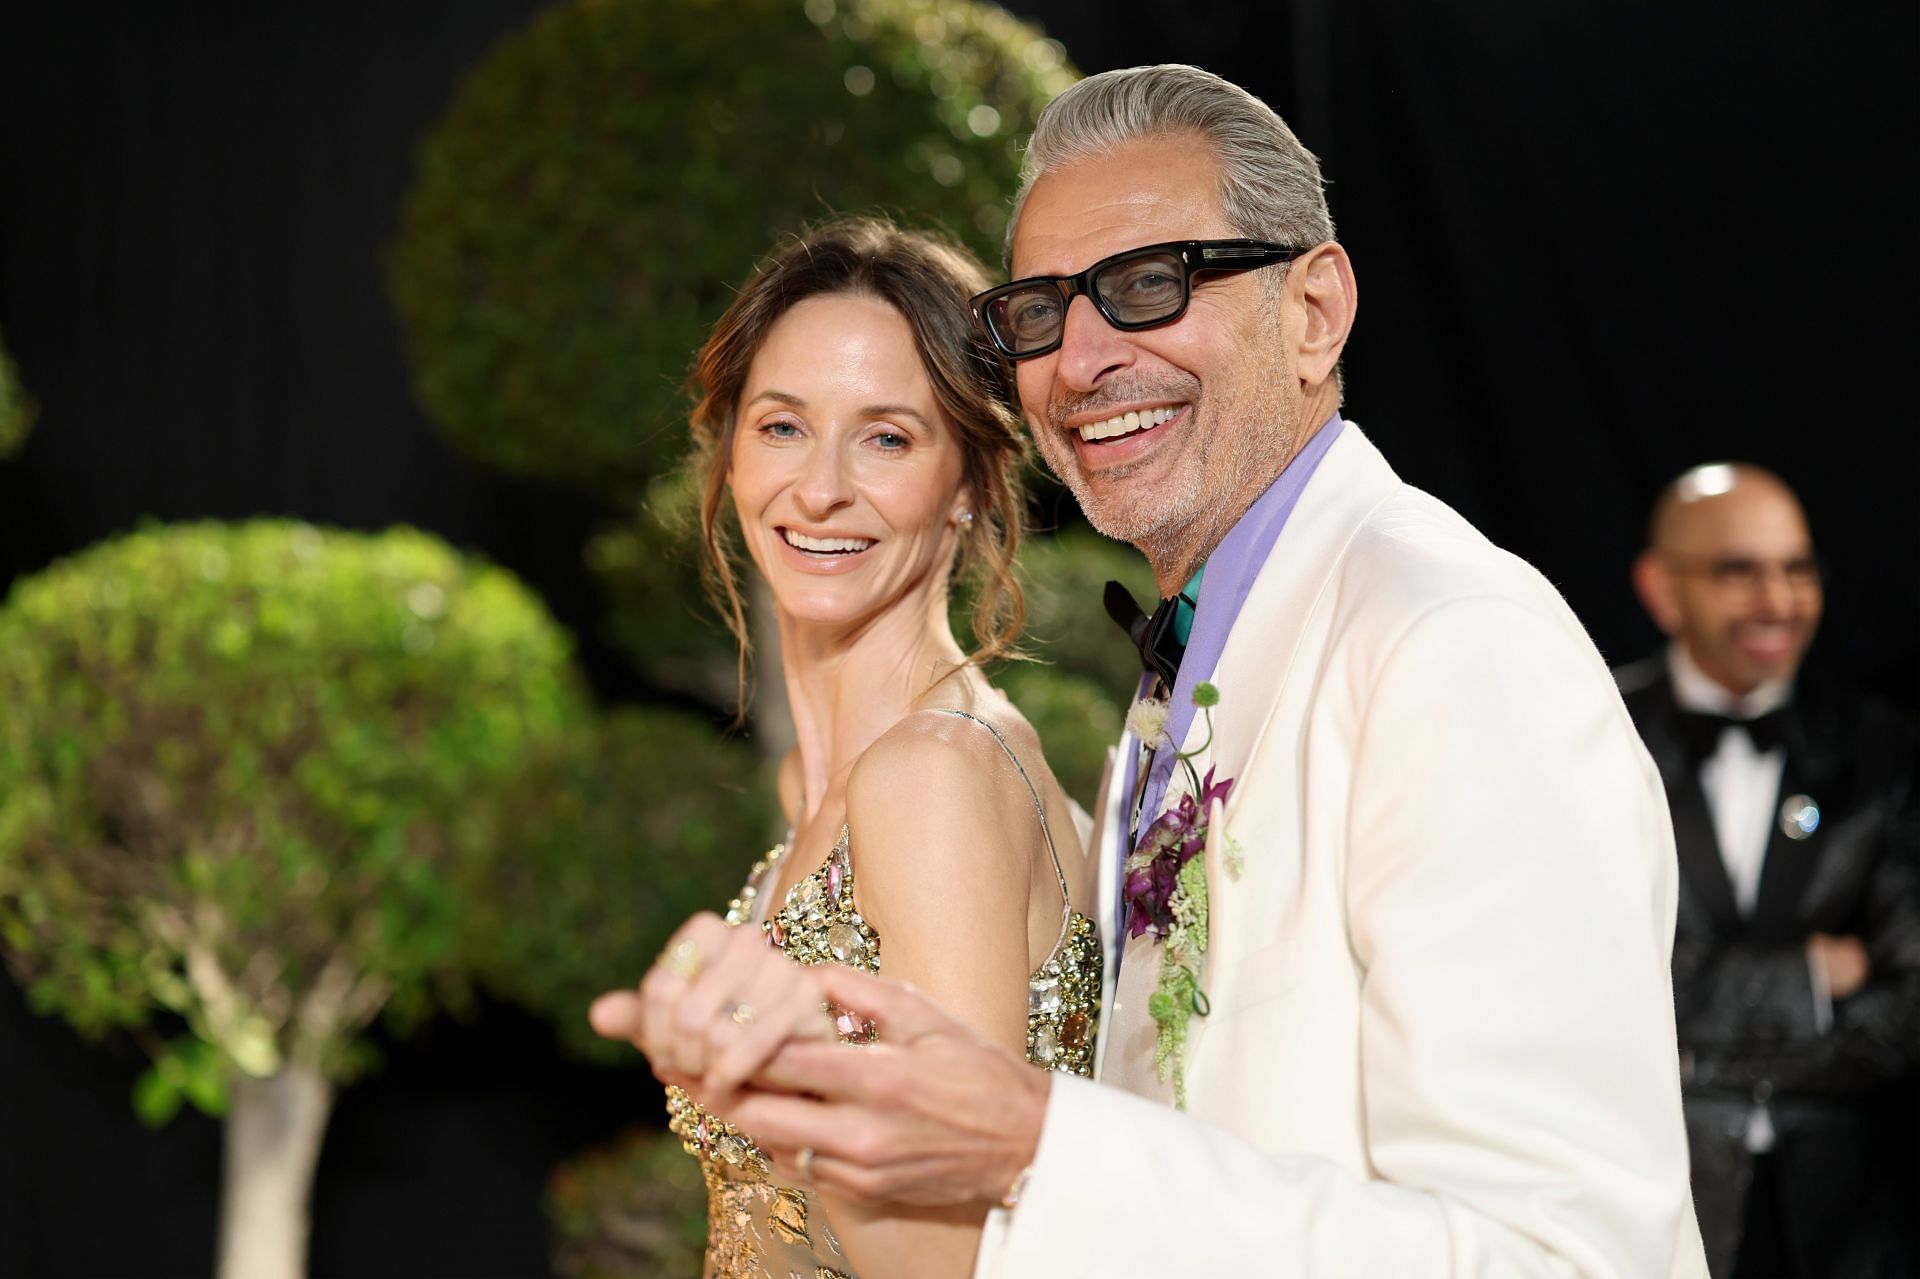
[
  {"x": 781, "y": 429},
  {"x": 891, "y": 440}
]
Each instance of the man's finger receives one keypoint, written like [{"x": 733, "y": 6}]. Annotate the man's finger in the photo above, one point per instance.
[
  {"x": 784, "y": 1124},
  {"x": 901, "y": 1012},
  {"x": 832, "y": 1071}
]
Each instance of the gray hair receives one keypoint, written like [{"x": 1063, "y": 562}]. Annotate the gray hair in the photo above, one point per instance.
[{"x": 1270, "y": 186}]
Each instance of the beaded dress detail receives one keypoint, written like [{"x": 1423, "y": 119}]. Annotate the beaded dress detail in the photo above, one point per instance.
[{"x": 760, "y": 1229}]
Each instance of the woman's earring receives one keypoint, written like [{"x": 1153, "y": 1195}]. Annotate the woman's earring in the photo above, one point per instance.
[{"x": 966, "y": 518}]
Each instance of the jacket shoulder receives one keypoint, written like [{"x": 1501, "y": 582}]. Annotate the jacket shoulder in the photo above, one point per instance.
[{"x": 1413, "y": 553}]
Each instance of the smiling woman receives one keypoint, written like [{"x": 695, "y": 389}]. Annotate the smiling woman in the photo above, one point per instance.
[
  {"x": 854, "y": 424},
  {"x": 845, "y": 474},
  {"x": 920, "y": 283}
]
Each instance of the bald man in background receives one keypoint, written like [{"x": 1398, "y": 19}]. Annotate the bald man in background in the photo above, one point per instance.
[{"x": 1796, "y": 957}]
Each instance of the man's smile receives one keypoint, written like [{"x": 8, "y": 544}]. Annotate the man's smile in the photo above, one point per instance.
[{"x": 1127, "y": 423}]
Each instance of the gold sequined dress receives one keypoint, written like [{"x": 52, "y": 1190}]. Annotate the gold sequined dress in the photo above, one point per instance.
[{"x": 758, "y": 1228}]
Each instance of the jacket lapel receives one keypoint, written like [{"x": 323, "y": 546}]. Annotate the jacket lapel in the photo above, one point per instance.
[
  {"x": 1109, "y": 836},
  {"x": 1254, "y": 665},
  {"x": 1267, "y": 638},
  {"x": 1696, "y": 844},
  {"x": 1790, "y": 862}
]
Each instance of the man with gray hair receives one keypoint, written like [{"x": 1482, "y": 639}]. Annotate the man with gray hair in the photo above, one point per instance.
[{"x": 1391, "y": 879}]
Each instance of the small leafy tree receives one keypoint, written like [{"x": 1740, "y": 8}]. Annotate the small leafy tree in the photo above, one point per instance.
[
  {"x": 614, "y": 840},
  {"x": 246, "y": 774},
  {"x": 604, "y": 178},
  {"x": 16, "y": 409},
  {"x": 1076, "y": 693}
]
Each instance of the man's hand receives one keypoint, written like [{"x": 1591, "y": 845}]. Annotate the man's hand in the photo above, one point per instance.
[
  {"x": 932, "y": 1115},
  {"x": 1845, "y": 961},
  {"x": 711, "y": 1020}
]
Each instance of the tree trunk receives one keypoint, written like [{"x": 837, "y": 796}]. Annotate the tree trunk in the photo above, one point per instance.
[{"x": 273, "y": 1145}]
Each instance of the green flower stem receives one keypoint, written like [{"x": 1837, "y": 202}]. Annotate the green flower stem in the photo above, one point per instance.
[{"x": 1186, "y": 758}]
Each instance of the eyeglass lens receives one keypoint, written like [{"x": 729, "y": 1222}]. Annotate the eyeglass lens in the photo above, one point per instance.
[{"x": 1135, "y": 289}]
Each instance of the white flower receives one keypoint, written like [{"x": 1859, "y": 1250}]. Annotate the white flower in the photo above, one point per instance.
[{"x": 1147, "y": 720}]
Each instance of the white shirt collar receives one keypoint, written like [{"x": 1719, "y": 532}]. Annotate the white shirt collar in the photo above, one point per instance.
[{"x": 1695, "y": 690}]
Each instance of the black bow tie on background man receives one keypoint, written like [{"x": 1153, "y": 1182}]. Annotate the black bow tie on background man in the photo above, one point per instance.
[
  {"x": 1161, "y": 648},
  {"x": 1702, "y": 731}
]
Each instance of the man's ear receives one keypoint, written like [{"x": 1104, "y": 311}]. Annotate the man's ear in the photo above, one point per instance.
[
  {"x": 1653, "y": 583},
  {"x": 1328, "y": 299}
]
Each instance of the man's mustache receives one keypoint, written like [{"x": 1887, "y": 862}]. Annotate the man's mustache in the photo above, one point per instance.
[{"x": 1114, "y": 395}]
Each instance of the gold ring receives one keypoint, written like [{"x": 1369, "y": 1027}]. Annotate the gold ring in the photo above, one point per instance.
[
  {"x": 742, "y": 1014},
  {"x": 803, "y": 1163},
  {"x": 682, "y": 959}
]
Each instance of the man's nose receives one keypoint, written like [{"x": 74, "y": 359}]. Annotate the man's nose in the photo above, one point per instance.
[
  {"x": 1090, "y": 348},
  {"x": 1775, "y": 591}
]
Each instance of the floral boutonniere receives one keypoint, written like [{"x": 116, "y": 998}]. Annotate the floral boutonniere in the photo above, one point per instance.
[{"x": 1166, "y": 887}]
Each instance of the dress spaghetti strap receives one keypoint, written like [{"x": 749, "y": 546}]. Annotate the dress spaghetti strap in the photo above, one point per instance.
[{"x": 1040, "y": 810}]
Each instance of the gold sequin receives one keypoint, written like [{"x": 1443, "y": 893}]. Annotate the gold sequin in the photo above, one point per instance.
[{"x": 788, "y": 1216}]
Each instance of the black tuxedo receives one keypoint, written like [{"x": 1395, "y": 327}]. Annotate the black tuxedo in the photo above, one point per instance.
[{"x": 1841, "y": 1102}]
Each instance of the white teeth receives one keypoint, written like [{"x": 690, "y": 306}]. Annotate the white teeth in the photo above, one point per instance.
[
  {"x": 1126, "y": 423},
  {"x": 834, "y": 545}
]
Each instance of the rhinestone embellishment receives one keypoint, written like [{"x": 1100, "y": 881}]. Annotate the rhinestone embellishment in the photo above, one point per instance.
[
  {"x": 819, "y": 924},
  {"x": 1063, "y": 1002}
]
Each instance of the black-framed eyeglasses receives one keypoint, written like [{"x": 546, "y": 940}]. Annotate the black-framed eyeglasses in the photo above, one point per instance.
[{"x": 1138, "y": 289}]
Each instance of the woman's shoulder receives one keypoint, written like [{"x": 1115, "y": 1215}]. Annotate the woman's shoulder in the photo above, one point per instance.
[
  {"x": 979, "y": 742},
  {"x": 964, "y": 767}
]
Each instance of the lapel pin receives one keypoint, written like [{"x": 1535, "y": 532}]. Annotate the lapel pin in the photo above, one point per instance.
[{"x": 1799, "y": 817}]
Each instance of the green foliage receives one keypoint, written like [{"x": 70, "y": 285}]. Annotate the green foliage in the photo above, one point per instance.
[
  {"x": 240, "y": 769},
  {"x": 615, "y": 841},
  {"x": 190, "y": 1069},
  {"x": 16, "y": 409},
  {"x": 585, "y": 210},
  {"x": 635, "y": 1209},
  {"x": 657, "y": 613},
  {"x": 1076, "y": 695}
]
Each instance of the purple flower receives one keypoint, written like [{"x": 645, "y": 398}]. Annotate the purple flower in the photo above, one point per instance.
[{"x": 1176, "y": 837}]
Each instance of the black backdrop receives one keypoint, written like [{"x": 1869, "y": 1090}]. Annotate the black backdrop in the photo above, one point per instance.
[{"x": 1596, "y": 243}]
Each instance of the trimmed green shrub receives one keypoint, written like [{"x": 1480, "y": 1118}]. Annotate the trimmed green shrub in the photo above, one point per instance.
[
  {"x": 613, "y": 843},
  {"x": 647, "y": 566},
  {"x": 1076, "y": 694},
  {"x": 248, "y": 774},
  {"x": 604, "y": 179}
]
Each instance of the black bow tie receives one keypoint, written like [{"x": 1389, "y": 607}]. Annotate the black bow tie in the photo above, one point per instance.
[
  {"x": 1155, "y": 636},
  {"x": 1702, "y": 731}
]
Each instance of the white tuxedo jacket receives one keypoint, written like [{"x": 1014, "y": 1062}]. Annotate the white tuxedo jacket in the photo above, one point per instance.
[{"x": 1441, "y": 1037}]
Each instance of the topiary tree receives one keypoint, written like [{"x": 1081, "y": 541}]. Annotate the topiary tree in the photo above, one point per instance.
[
  {"x": 16, "y": 409},
  {"x": 600, "y": 185},
  {"x": 603, "y": 179},
  {"x": 615, "y": 840},
  {"x": 246, "y": 775}
]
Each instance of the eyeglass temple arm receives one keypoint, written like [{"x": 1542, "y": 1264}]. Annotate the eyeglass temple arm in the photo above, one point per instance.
[{"x": 1248, "y": 254}]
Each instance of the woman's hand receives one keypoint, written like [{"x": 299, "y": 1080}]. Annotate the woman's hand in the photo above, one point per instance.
[{"x": 715, "y": 1008}]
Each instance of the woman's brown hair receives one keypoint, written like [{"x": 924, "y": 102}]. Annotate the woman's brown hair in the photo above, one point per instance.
[{"x": 928, "y": 280}]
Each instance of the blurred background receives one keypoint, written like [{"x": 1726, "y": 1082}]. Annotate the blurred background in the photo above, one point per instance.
[{"x": 296, "y": 268}]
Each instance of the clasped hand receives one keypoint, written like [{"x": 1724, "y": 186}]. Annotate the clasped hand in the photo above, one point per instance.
[{"x": 931, "y": 1115}]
